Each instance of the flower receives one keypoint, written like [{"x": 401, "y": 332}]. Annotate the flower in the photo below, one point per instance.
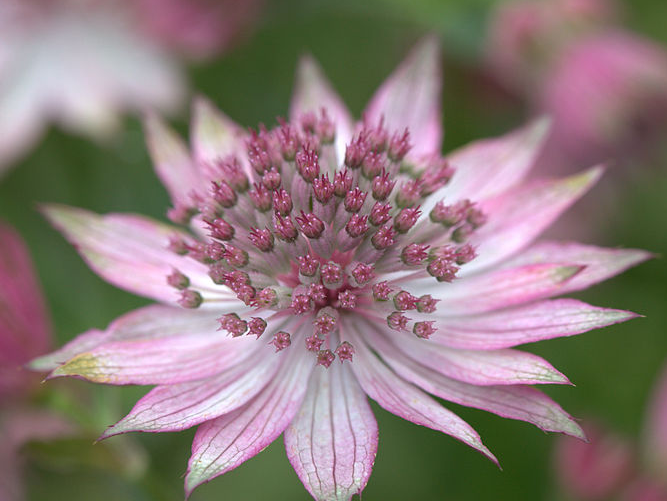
[
  {"x": 605, "y": 88},
  {"x": 328, "y": 262},
  {"x": 24, "y": 333},
  {"x": 81, "y": 63},
  {"x": 615, "y": 467}
]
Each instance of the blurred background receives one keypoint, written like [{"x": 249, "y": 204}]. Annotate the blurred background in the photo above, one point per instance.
[{"x": 74, "y": 76}]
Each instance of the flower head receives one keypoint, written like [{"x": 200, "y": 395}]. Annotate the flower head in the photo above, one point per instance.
[{"x": 360, "y": 291}]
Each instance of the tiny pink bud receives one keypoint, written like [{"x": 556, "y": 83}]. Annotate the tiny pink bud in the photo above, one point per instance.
[
  {"x": 232, "y": 172},
  {"x": 409, "y": 193},
  {"x": 324, "y": 323},
  {"x": 465, "y": 254},
  {"x": 426, "y": 304},
  {"x": 308, "y": 165},
  {"x": 362, "y": 274},
  {"x": 382, "y": 186},
  {"x": 406, "y": 219},
  {"x": 215, "y": 251},
  {"x": 237, "y": 258},
  {"x": 325, "y": 128},
  {"x": 262, "y": 239},
  {"x": 383, "y": 237},
  {"x": 356, "y": 151},
  {"x": 287, "y": 140},
  {"x": 261, "y": 197},
  {"x": 311, "y": 225},
  {"x": 397, "y": 321},
  {"x": 308, "y": 265},
  {"x": 313, "y": 343},
  {"x": 424, "y": 329},
  {"x": 221, "y": 229},
  {"x": 267, "y": 297},
  {"x": 357, "y": 225},
  {"x": 414, "y": 254},
  {"x": 302, "y": 303},
  {"x": 380, "y": 213},
  {"x": 281, "y": 340},
  {"x": 442, "y": 269},
  {"x": 318, "y": 293},
  {"x": 345, "y": 351},
  {"x": 178, "y": 280},
  {"x": 354, "y": 200},
  {"x": 284, "y": 228},
  {"x": 373, "y": 164},
  {"x": 348, "y": 300},
  {"x": 190, "y": 299},
  {"x": 399, "y": 145},
  {"x": 181, "y": 214},
  {"x": 271, "y": 180},
  {"x": 325, "y": 358},
  {"x": 224, "y": 194},
  {"x": 177, "y": 245},
  {"x": 233, "y": 324},
  {"x": 256, "y": 326},
  {"x": 342, "y": 183},
  {"x": 381, "y": 291},
  {"x": 405, "y": 301},
  {"x": 323, "y": 189},
  {"x": 332, "y": 274},
  {"x": 282, "y": 202}
]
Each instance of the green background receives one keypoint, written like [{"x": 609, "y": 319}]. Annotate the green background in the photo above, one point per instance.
[{"x": 358, "y": 46}]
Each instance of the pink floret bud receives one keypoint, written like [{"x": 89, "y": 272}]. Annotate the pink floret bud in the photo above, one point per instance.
[
  {"x": 325, "y": 358},
  {"x": 271, "y": 180},
  {"x": 177, "y": 245},
  {"x": 405, "y": 301},
  {"x": 462, "y": 233},
  {"x": 215, "y": 251},
  {"x": 465, "y": 254},
  {"x": 345, "y": 351},
  {"x": 247, "y": 294},
  {"x": 378, "y": 136},
  {"x": 318, "y": 293},
  {"x": 282, "y": 202},
  {"x": 258, "y": 152},
  {"x": 356, "y": 151},
  {"x": 373, "y": 164},
  {"x": 380, "y": 213},
  {"x": 256, "y": 326},
  {"x": 382, "y": 186},
  {"x": 406, "y": 219},
  {"x": 308, "y": 265},
  {"x": 178, "y": 280},
  {"x": 332, "y": 274},
  {"x": 476, "y": 217},
  {"x": 414, "y": 254},
  {"x": 423, "y": 329},
  {"x": 233, "y": 324},
  {"x": 323, "y": 189},
  {"x": 220, "y": 229},
  {"x": 325, "y": 128},
  {"x": 436, "y": 176},
  {"x": 284, "y": 228},
  {"x": 399, "y": 145},
  {"x": 354, "y": 200},
  {"x": 357, "y": 225},
  {"x": 383, "y": 237},
  {"x": 426, "y": 304},
  {"x": 261, "y": 197},
  {"x": 232, "y": 172},
  {"x": 190, "y": 299},
  {"x": 442, "y": 269},
  {"x": 288, "y": 140},
  {"x": 308, "y": 165},
  {"x": 237, "y": 258},
  {"x": 362, "y": 274},
  {"x": 267, "y": 297},
  {"x": 325, "y": 322},
  {"x": 311, "y": 225},
  {"x": 223, "y": 194},
  {"x": 342, "y": 183},
  {"x": 313, "y": 343},
  {"x": 381, "y": 291},
  {"x": 262, "y": 239},
  {"x": 409, "y": 193},
  {"x": 281, "y": 340},
  {"x": 181, "y": 214},
  {"x": 302, "y": 303},
  {"x": 397, "y": 321},
  {"x": 348, "y": 300}
]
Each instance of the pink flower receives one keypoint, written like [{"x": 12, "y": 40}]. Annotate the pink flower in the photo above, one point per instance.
[
  {"x": 24, "y": 333},
  {"x": 614, "y": 467},
  {"x": 606, "y": 89},
  {"x": 329, "y": 261}
]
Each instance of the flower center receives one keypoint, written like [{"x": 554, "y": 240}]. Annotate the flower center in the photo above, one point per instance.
[{"x": 293, "y": 233}]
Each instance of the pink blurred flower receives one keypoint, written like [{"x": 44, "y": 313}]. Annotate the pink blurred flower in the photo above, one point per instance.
[
  {"x": 24, "y": 334},
  {"x": 82, "y": 63},
  {"x": 197, "y": 28},
  {"x": 613, "y": 467},
  {"x": 606, "y": 89},
  {"x": 323, "y": 267}
]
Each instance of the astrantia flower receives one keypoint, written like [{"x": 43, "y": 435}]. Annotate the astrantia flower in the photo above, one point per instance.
[{"x": 329, "y": 261}]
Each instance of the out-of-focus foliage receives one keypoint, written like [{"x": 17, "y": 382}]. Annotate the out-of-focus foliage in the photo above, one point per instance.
[{"x": 358, "y": 43}]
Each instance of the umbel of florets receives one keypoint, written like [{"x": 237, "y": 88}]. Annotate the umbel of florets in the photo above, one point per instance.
[{"x": 297, "y": 233}]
